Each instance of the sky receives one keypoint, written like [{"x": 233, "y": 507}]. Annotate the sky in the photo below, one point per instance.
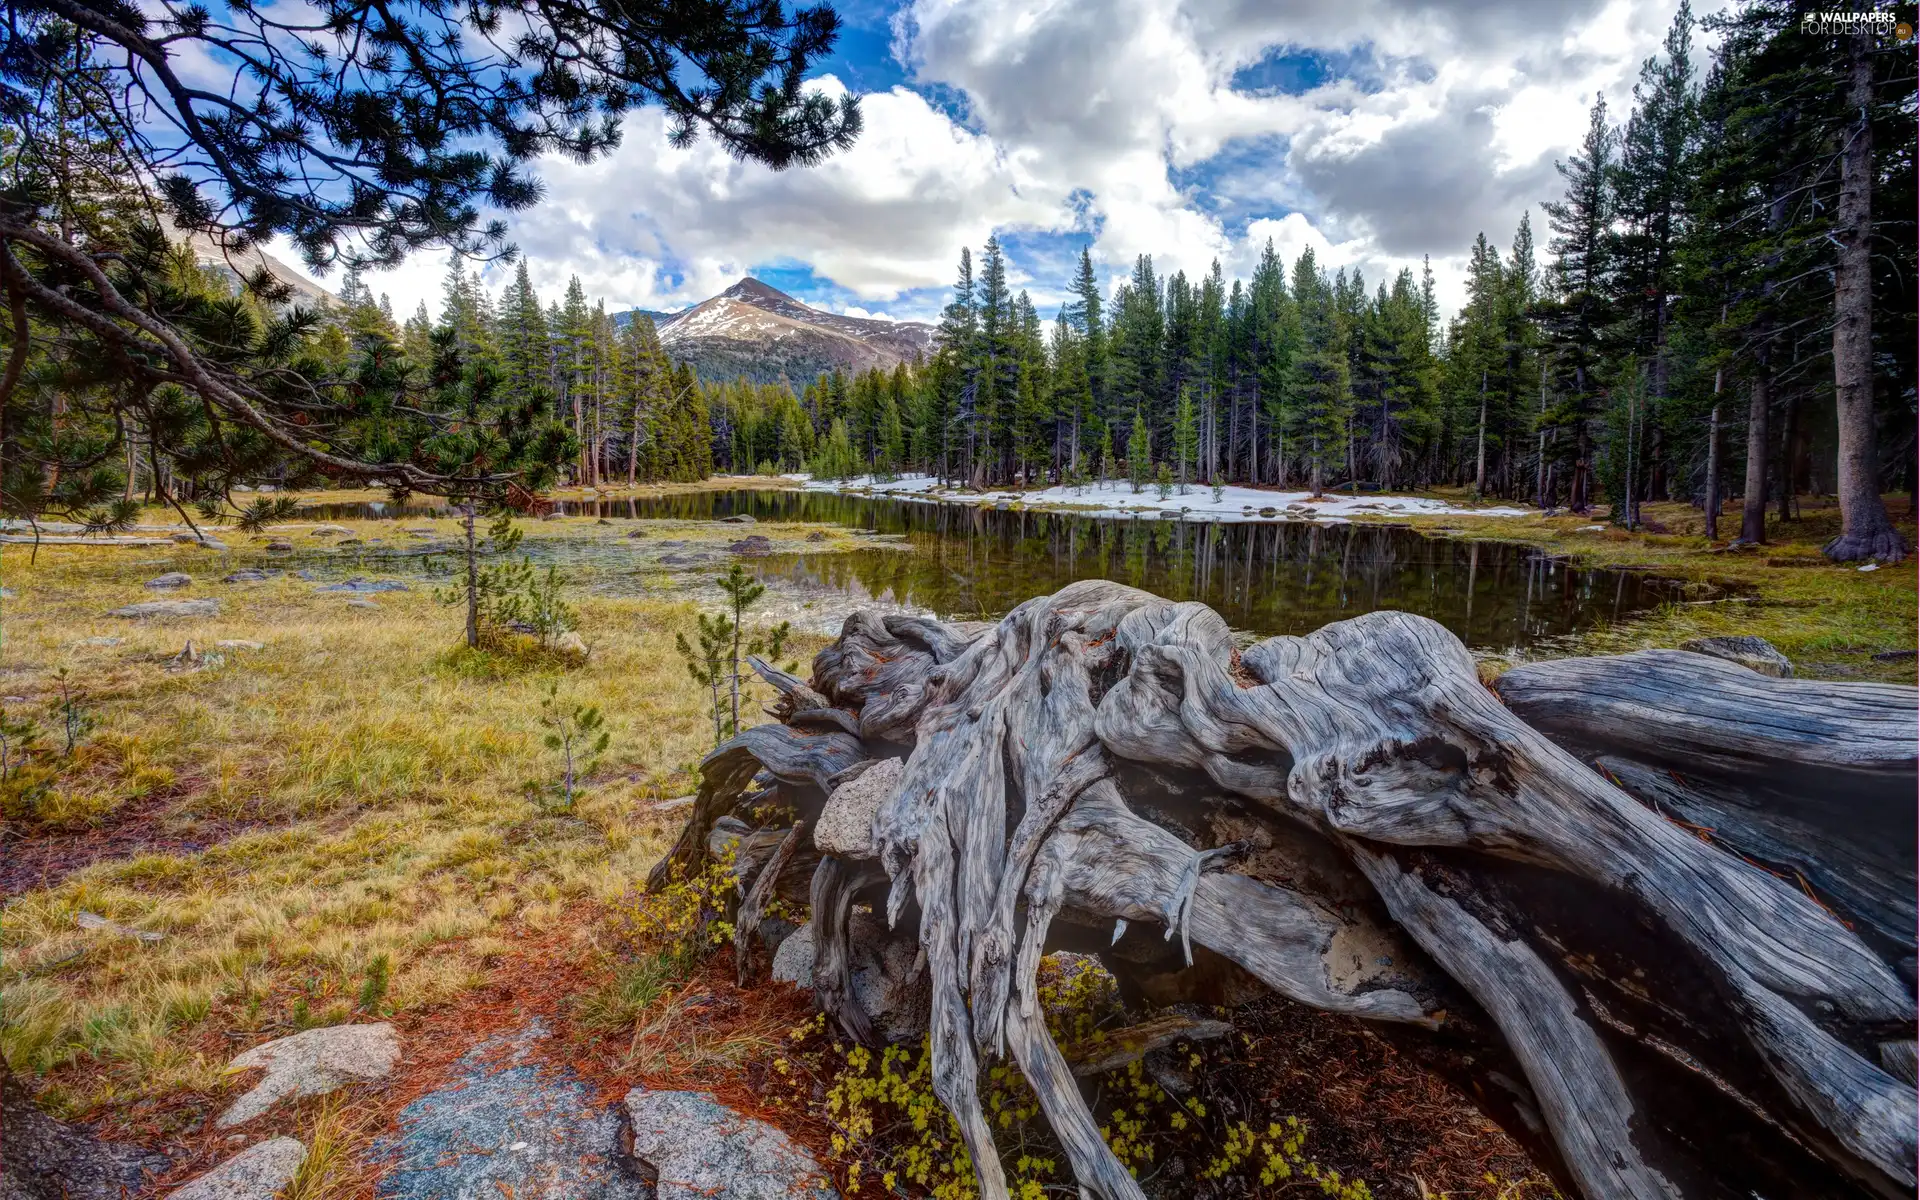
[{"x": 1374, "y": 131}]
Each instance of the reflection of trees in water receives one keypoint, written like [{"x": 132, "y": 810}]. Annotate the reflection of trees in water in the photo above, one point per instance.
[{"x": 1270, "y": 577}]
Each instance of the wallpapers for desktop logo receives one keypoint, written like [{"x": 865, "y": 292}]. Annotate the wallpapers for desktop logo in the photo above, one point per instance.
[{"x": 1871, "y": 22}]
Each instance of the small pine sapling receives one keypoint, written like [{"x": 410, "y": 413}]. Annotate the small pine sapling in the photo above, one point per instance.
[
  {"x": 1219, "y": 491},
  {"x": 718, "y": 663},
  {"x": 75, "y": 722},
  {"x": 1163, "y": 481},
  {"x": 708, "y": 664},
  {"x": 373, "y": 988},
  {"x": 579, "y": 733},
  {"x": 543, "y": 609}
]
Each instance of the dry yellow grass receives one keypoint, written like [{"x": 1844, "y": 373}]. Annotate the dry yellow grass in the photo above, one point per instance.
[{"x": 358, "y": 784}]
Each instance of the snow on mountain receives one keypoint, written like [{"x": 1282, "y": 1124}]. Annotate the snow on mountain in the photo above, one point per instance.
[{"x": 761, "y": 332}]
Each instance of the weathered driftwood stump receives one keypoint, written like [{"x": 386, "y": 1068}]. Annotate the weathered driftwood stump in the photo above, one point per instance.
[{"x": 1679, "y": 893}]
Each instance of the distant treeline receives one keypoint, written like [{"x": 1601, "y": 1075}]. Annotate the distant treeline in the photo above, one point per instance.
[{"x": 1726, "y": 270}]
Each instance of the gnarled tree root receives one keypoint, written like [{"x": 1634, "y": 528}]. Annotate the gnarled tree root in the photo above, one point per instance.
[{"x": 1107, "y": 756}]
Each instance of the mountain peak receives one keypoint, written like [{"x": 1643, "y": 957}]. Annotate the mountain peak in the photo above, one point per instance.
[
  {"x": 756, "y": 330},
  {"x": 751, "y": 290}
]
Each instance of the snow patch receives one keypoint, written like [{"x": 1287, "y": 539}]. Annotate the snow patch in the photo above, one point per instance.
[{"x": 1116, "y": 498}]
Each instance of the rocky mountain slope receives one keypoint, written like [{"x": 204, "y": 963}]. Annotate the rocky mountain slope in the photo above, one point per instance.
[
  {"x": 232, "y": 265},
  {"x": 760, "y": 332}
]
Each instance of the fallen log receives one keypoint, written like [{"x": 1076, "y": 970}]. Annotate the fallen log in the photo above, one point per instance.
[
  {"x": 1312, "y": 808},
  {"x": 1814, "y": 778}
]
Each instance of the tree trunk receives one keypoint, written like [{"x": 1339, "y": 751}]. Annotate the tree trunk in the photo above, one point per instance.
[
  {"x": 1711, "y": 504},
  {"x": 1866, "y": 532},
  {"x": 1753, "y": 508},
  {"x": 473, "y": 579},
  {"x": 1353, "y": 820},
  {"x": 1713, "y": 497},
  {"x": 1540, "y": 449},
  {"x": 1789, "y": 434},
  {"x": 1480, "y": 444}
]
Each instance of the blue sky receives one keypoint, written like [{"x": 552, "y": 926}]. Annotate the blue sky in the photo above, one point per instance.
[{"x": 1374, "y": 131}]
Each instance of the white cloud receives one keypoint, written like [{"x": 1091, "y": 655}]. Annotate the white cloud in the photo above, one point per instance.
[{"x": 1099, "y": 116}]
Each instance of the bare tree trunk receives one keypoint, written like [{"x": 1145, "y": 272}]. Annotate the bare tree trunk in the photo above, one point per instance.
[
  {"x": 473, "y": 578},
  {"x": 1713, "y": 497},
  {"x": 1711, "y": 506},
  {"x": 1480, "y": 445},
  {"x": 1540, "y": 450},
  {"x": 1866, "y": 531},
  {"x": 1753, "y": 509}
]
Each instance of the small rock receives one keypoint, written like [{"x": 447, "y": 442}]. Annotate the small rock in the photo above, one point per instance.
[
  {"x": 636, "y": 533},
  {"x": 312, "y": 1064},
  {"x": 889, "y": 982},
  {"x": 250, "y": 575},
  {"x": 279, "y": 546},
  {"x": 603, "y": 521},
  {"x": 1896, "y": 655},
  {"x": 818, "y": 535},
  {"x": 361, "y": 604},
  {"x": 207, "y": 543},
  {"x": 185, "y": 538},
  {"x": 693, "y": 1146},
  {"x": 1872, "y": 566},
  {"x": 793, "y": 961},
  {"x": 165, "y": 609},
  {"x": 172, "y": 579},
  {"x": 1754, "y": 653},
  {"x": 240, "y": 644},
  {"x": 845, "y": 827},
  {"x": 8, "y": 594},
  {"x": 260, "y": 1172},
  {"x": 357, "y": 584},
  {"x": 331, "y": 531},
  {"x": 672, "y": 544},
  {"x": 345, "y": 542},
  {"x": 553, "y": 516},
  {"x": 753, "y": 546},
  {"x": 738, "y": 519},
  {"x": 571, "y": 643}
]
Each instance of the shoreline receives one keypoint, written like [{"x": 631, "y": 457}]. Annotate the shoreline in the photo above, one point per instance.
[{"x": 1117, "y": 498}]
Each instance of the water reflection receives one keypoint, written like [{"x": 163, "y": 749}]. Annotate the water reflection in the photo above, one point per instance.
[{"x": 1265, "y": 577}]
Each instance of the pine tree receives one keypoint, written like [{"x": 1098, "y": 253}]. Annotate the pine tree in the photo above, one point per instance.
[
  {"x": 1578, "y": 308},
  {"x": 1139, "y": 453},
  {"x": 524, "y": 350},
  {"x": 1186, "y": 437},
  {"x": 1318, "y": 411},
  {"x": 952, "y": 408}
]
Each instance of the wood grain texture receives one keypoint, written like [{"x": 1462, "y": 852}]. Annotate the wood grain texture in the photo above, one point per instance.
[{"x": 1367, "y": 735}]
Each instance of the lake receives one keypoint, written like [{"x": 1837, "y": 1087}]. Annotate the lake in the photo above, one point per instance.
[{"x": 1265, "y": 577}]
